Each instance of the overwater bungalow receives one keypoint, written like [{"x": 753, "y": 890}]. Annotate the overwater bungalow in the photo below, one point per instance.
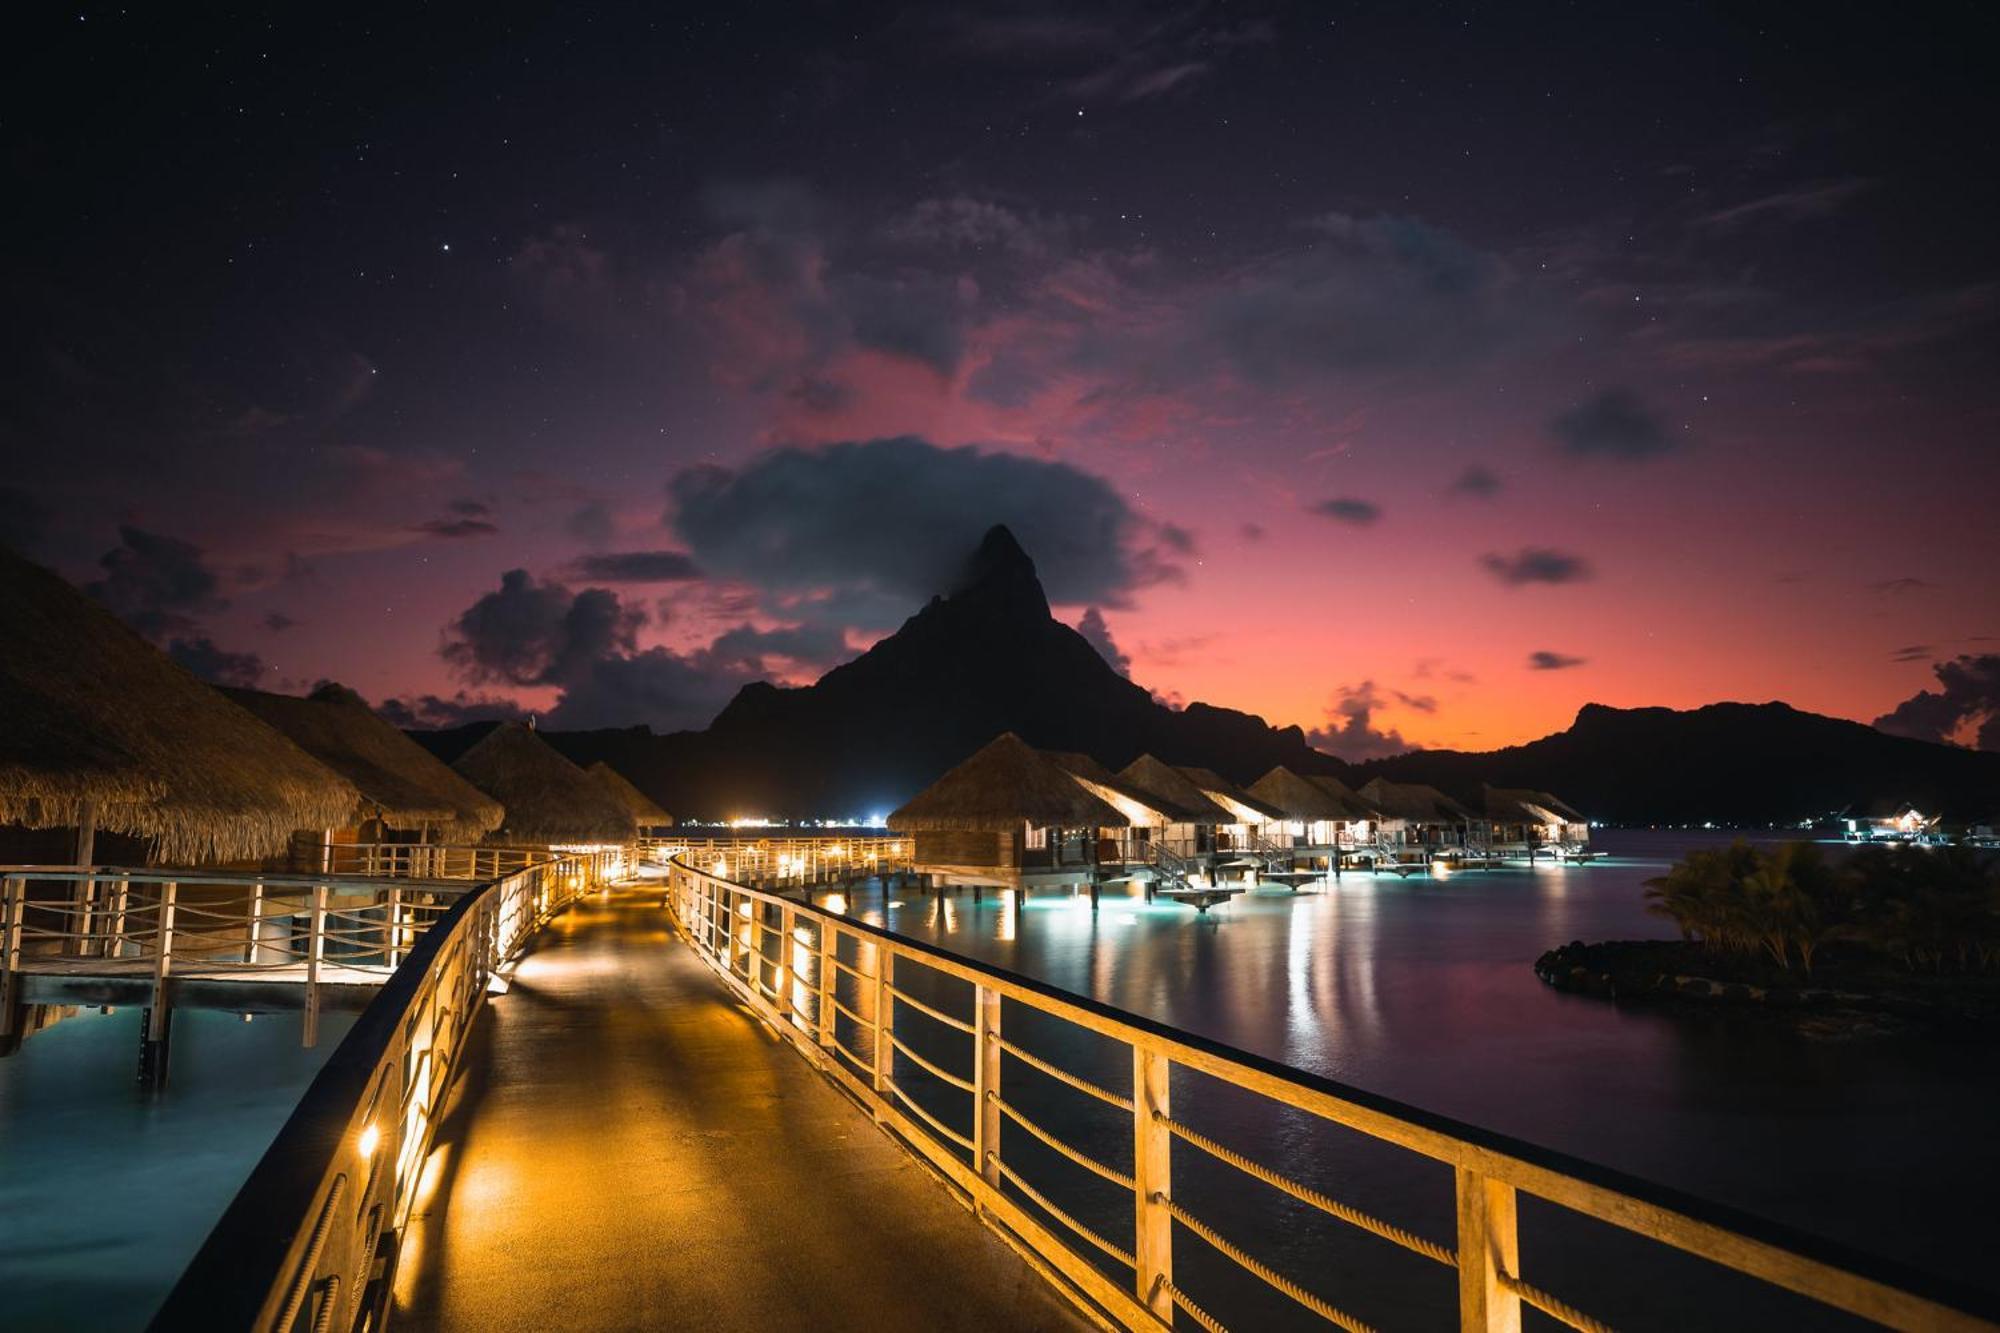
[
  {"x": 1323, "y": 822},
  {"x": 549, "y": 801},
  {"x": 1433, "y": 826},
  {"x": 407, "y": 795},
  {"x": 110, "y": 752},
  {"x": 1197, "y": 815},
  {"x": 649, "y": 814},
  {"x": 1010, "y": 816},
  {"x": 1531, "y": 823},
  {"x": 1245, "y": 840}
]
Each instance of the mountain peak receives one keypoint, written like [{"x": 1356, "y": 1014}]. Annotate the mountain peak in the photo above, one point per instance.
[{"x": 999, "y": 571}]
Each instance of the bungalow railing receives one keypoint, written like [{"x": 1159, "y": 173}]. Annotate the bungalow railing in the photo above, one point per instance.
[
  {"x": 958, "y": 1060},
  {"x": 168, "y": 925},
  {"x": 309, "y": 1240}
]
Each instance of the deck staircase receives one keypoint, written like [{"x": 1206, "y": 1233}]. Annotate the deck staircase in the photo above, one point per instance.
[{"x": 1174, "y": 880}]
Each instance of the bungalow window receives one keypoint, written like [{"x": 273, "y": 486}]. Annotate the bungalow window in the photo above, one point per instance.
[{"x": 1038, "y": 838}]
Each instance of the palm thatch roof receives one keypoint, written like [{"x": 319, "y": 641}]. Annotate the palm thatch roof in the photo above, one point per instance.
[
  {"x": 548, "y": 799},
  {"x": 1414, "y": 801},
  {"x": 91, "y": 712},
  {"x": 1300, "y": 798},
  {"x": 1162, "y": 782},
  {"x": 1230, "y": 796},
  {"x": 1006, "y": 785},
  {"x": 648, "y": 812},
  {"x": 1143, "y": 810},
  {"x": 1346, "y": 795},
  {"x": 400, "y": 782},
  {"x": 1525, "y": 805}
]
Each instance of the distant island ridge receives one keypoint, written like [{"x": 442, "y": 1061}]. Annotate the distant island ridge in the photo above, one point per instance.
[{"x": 988, "y": 656}]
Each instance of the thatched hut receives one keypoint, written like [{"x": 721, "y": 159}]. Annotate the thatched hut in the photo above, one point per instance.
[
  {"x": 1007, "y": 811},
  {"x": 1196, "y": 815},
  {"x": 1318, "y": 818},
  {"x": 1527, "y": 820},
  {"x": 646, "y": 812},
  {"x": 1430, "y": 819},
  {"x": 99, "y": 731},
  {"x": 1251, "y": 817},
  {"x": 407, "y": 794},
  {"x": 549, "y": 801}
]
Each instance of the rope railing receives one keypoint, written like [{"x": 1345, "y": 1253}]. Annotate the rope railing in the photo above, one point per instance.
[{"x": 844, "y": 1017}]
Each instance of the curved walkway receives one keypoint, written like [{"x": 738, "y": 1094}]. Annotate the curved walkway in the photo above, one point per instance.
[{"x": 628, "y": 1149}]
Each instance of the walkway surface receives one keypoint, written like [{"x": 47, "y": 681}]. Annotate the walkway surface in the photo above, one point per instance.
[{"x": 629, "y": 1149}]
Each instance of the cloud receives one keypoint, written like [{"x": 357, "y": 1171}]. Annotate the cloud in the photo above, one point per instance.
[
  {"x": 530, "y": 633},
  {"x": 1350, "y": 732},
  {"x": 637, "y": 567},
  {"x": 1544, "y": 660},
  {"x": 1800, "y": 204},
  {"x": 1479, "y": 482},
  {"x": 1347, "y": 509},
  {"x": 1611, "y": 424},
  {"x": 591, "y": 524},
  {"x": 1098, "y": 635},
  {"x": 1251, "y": 532},
  {"x": 749, "y": 648},
  {"x": 1916, "y": 652},
  {"x": 1896, "y": 587},
  {"x": 432, "y": 712},
  {"x": 158, "y": 585},
  {"x": 1536, "y": 564},
  {"x": 892, "y": 520},
  {"x": 457, "y": 529},
  {"x": 277, "y": 622},
  {"x": 217, "y": 665},
  {"x": 1967, "y": 701}
]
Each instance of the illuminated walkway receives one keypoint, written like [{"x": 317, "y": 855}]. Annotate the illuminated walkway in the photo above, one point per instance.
[{"x": 629, "y": 1149}]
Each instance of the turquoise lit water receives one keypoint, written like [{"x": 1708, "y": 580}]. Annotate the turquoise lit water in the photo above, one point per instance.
[
  {"x": 105, "y": 1191},
  {"x": 1422, "y": 990}
]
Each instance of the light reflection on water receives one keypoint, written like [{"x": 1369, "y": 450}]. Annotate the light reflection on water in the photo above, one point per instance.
[
  {"x": 1422, "y": 990},
  {"x": 106, "y": 1193}
]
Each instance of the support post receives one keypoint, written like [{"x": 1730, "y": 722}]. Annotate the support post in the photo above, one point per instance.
[
  {"x": 1152, "y": 1182},
  {"x": 13, "y": 904},
  {"x": 986, "y": 1085},
  {"x": 115, "y": 946},
  {"x": 1488, "y": 1245},
  {"x": 788, "y": 1000},
  {"x": 255, "y": 925},
  {"x": 159, "y": 1017},
  {"x": 395, "y": 950},
  {"x": 829, "y": 943},
  {"x": 885, "y": 1018},
  {"x": 315, "y": 952}
]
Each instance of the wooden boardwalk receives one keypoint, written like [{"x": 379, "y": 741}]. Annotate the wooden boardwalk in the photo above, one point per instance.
[{"x": 628, "y": 1148}]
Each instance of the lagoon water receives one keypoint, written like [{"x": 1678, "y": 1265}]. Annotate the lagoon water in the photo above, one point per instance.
[
  {"x": 107, "y": 1192},
  {"x": 1419, "y": 990},
  {"x": 1422, "y": 990}
]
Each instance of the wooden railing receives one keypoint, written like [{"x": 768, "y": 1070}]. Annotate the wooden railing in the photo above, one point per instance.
[
  {"x": 307, "y": 1241},
  {"x": 846, "y": 995}
]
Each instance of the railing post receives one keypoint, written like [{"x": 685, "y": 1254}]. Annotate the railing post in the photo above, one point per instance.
[
  {"x": 787, "y": 1000},
  {"x": 162, "y": 962},
  {"x": 395, "y": 949},
  {"x": 255, "y": 926},
  {"x": 1488, "y": 1245},
  {"x": 1152, "y": 1181},
  {"x": 885, "y": 1017},
  {"x": 829, "y": 944},
  {"x": 986, "y": 1084},
  {"x": 315, "y": 951},
  {"x": 116, "y": 944},
  {"x": 13, "y": 903}
]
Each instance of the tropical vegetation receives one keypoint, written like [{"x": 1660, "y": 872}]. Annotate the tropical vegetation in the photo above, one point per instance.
[{"x": 1930, "y": 908}]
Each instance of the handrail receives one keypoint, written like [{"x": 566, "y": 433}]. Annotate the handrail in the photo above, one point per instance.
[
  {"x": 791, "y": 860},
  {"x": 730, "y": 925},
  {"x": 322, "y": 1211}
]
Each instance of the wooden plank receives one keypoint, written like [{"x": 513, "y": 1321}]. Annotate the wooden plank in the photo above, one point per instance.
[
  {"x": 1488, "y": 1245},
  {"x": 1152, "y": 1181}
]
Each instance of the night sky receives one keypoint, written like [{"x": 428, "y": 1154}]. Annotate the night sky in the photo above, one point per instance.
[{"x": 1412, "y": 373}]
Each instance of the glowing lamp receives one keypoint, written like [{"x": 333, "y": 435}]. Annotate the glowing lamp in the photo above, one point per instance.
[{"x": 371, "y": 1136}]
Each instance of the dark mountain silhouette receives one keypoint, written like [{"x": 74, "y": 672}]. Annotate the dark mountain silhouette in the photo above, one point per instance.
[
  {"x": 1731, "y": 763},
  {"x": 986, "y": 658}
]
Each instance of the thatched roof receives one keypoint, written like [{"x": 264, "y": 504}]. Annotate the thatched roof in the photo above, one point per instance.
[
  {"x": 1230, "y": 796},
  {"x": 1163, "y": 783},
  {"x": 400, "y": 782},
  {"x": 644, "y": 809},
  {"x": 1414, "y": 801},
  {"x": 89, "y": 711},
  {"x": 1525, "y": 805},
  {"x": 1346, "y": 795},
  {"x": 1141, "y": 809},
  {"x": 548, "y": 799},
  {"x": 1006, "y": 785},
  {"x": 1300, "y": 798}
]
